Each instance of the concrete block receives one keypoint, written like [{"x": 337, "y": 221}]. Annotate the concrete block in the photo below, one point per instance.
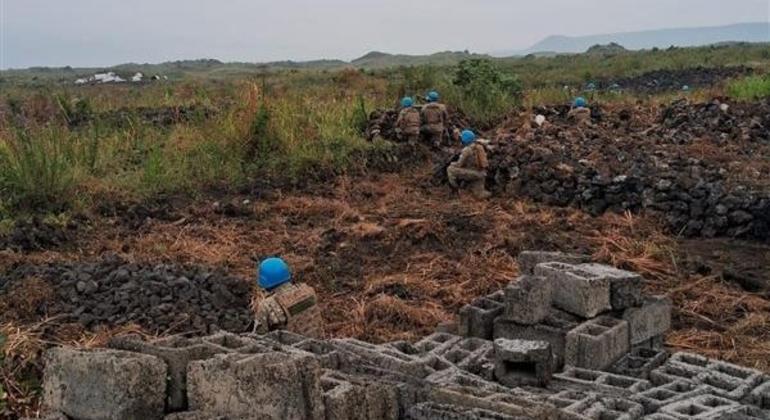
[
  {"x": 528, "y": 300},
  {"x": 744, "y": 412},
  {"x": 650, "y": 320},
  {"x": 437, "y": 342},
  {"x": 597, "y": 344},
  {"x": 573, "y": 401},
  {"x": 639, "y": 362},
  {"x": 104, "y": 384},
  {"x": 614, "y": 408},
  {"x": 655, "y": 398},
  {"x": 700, "y": 407},
  {"x": 528, "y": 260},
  {"x": 760, "y": 396},
  {"x": 523, "y": 362},
  {"x": 576, "y": 291},
  {"x": 553, "y": 330},
  {"x": 359, "y": 354},
  {"x": 477, "y": 319},
  {"x": 347, "y": 398},
  {"x": 177, "y": 352},
  {"x": 436, "y": 411},
  {"x": 282, "y": 385},
  {"x": 724, "y": 385},
  {"x": 673, "y": 371},
  {"x": 597, "y": 381},
  {"x": 625, "y": 286}
]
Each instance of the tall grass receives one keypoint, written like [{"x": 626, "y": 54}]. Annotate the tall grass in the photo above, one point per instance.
[{"x": 750, "y": 88}]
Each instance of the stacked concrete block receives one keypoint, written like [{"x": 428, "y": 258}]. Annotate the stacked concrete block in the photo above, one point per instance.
[
  {"x": 281, "y": 385},
  {"x": 435, "y": 411},
  {"x": 177, "y": 353},
  {"x": 104, "y": 384},
  {"x": 612, "y": 408},
  {"x": 579, "y": 292},
  {"x": 597, "y": 380},
  {"x": 625, "y": 286},
  {"x": 528, "y": 300},
  {"x": 639, "y": 362},
  {"x": 597, "y": 344},
  {"x": 651, "y": 320},
  {"x": 346, "y": 398},
  {"x": 477, "y": 319},
  {"x": 553, "y": 329},
  {"x": 528, "y": 260},
  {"x": 523, "y": 362}
]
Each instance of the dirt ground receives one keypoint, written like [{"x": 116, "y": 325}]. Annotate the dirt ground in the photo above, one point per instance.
[{"x": 391, "y": 256}]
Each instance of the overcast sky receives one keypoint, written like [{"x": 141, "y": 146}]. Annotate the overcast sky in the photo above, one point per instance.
[{"x": 108, "y": 32}]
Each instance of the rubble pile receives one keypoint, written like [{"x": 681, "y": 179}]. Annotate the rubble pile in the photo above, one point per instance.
[
  {"x": 612, "y": 164},
  {"x": 160, "y": 298},
  {"x": 160, "y": 116},
  {"x": 667, "y": 80},
  {"x": 503, "y": 362}
]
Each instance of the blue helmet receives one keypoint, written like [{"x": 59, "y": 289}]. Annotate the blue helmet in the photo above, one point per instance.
[
  {"x": 467, "y": 137},
  {"x": 432, "y": 96},
  {"x": 273, "y": 272},
  {"x": 407, "y": 102},
  {"x": 580, "y": 102}
]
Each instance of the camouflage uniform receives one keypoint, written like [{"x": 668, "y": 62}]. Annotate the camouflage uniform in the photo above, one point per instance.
[
  {"x": 291, "y": 307},
  {"x": 408, "y": 124},
  {"x": 471, "y": 167},
  {"x": 374, "y": 127},
  {"x": 434, "y": 120},
  {"x": 581, "y": 115}
]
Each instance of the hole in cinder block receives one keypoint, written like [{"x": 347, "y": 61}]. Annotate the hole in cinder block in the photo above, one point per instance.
[
  {"x": 690, "y": 409},
  {"x": 674, "y": 370},
  {"x": 585, "y": 375},
  {"x": 471, "y": 344},
  {"x": 620, "y": 382},
  {"x": 405, "y": 347},
  {"x": 228, "y": 341},
  {"x": 593, "y": 330},
  {"x": 645, "y": 353},
  {"x": 456, "y": 356},
  {"x": 559, "y": 403},
  {"x": 731, "y": 370},
  {"x": 526, "y": 369},
  {"x": 329, "y": 384},
  {"x": 438, "y": 364},
  {"x": 713, "y": 402},
  {"x": 607, "y": 322},
  {"x": 610, "y": 415},
  {"x": 315, "y": 347},
  {"x": 441, "y": 338},
  {"x": 692, "y": 360},
  {"x": 486, "y": 304},
  {"x": 720, "y": 383},
  {"x": 635, "y": 363},
  {"x": 660, "y": 394},
  {"x": 680, "y": 387}
]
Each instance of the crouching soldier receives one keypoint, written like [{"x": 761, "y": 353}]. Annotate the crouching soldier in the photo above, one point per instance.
[
  {"x": 580, "y": 112},
  {"x": 288, "y": 306},
  {"x": 471, "y": 167},
  {"x": 434, "y": 119},
  {"x": 408, "y": 122}
]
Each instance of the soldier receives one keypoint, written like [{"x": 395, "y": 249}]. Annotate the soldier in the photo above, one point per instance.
[
  {"x": 289, "y": 306},
  {"x": 434, "y": 119},
  {"x": 408, "y": 122},
  {"x": 580, "y": 112},
  {"x": 471, "y": 167}
]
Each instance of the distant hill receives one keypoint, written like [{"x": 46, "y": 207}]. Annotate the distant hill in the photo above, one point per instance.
[
  {"x": 377, "y": 59},
  {"x": 680, "y": 37}
]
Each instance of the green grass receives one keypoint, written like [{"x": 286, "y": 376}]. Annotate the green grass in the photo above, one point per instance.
[{"x": 750, "y": 88}]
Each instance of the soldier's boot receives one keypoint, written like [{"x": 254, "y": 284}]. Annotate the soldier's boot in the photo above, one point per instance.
[{"x": 479, "y": 190}]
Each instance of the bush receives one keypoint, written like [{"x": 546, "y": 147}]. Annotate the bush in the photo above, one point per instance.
[
  {"x": 483, "y": 91},
  {"x": 750, "y": 88}
]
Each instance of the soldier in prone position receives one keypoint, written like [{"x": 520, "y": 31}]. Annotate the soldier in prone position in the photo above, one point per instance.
[{"x": 289, "y": 306}]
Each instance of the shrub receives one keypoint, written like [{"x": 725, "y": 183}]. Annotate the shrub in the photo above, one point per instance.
[
  {"x": 483, "y": 91},
  {"x": 750, "y": 88}
]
